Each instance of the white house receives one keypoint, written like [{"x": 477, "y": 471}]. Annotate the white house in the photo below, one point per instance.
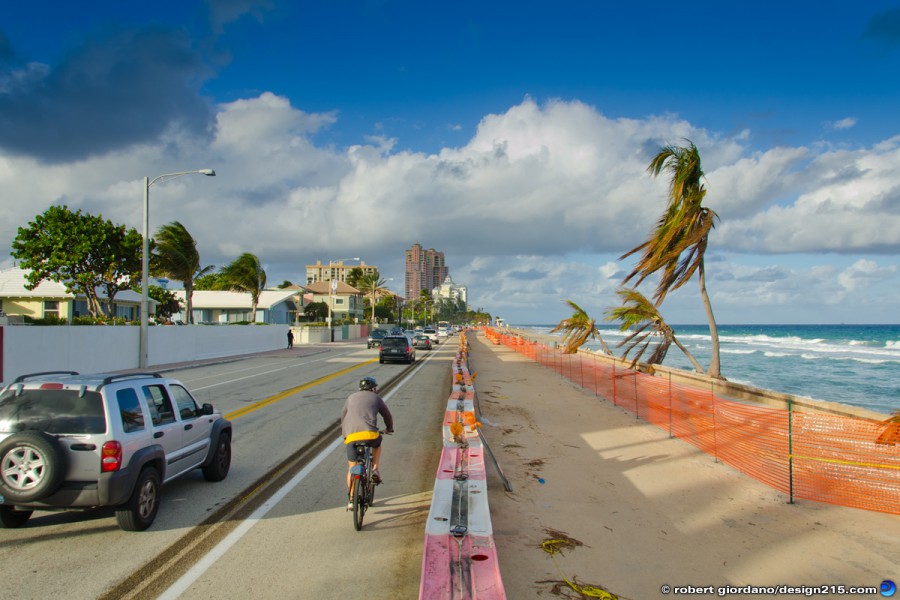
[{"x": 209, "y": 306}]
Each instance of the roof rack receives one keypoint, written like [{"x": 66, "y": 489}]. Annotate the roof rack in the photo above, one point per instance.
[
  {"x": 22, "y": 378},
  {"x": 119, "y": 376}
]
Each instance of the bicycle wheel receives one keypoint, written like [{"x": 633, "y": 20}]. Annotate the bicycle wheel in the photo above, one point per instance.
[
  {"x": 370, "y": 481},
  {"x": 359, "y": 501}
]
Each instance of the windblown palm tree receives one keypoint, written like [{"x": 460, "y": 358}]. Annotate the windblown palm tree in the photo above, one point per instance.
[
  {"x": 641, "y": 317},
  {"x": 579, "y": 329},
  {"x": 371, "y": 284},
  {"x": 246, "y": 274},
  {"x": 678, "y": 244},
  {"x": 175, "y": 255}
]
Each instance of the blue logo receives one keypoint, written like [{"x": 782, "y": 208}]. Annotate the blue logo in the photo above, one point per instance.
[{"x": 888, "y": 588}]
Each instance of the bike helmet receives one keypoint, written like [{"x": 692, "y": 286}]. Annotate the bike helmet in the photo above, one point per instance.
[{"x": 368, "y": 383}]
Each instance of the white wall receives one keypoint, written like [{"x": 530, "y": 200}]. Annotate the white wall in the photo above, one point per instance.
[{"x": 98, "y": 349}]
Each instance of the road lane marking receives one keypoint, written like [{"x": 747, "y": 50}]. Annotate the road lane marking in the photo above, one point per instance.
[{"x": 290, "y": 392}]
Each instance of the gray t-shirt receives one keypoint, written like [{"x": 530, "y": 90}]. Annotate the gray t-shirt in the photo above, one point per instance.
[{"x": 361, "y": 412}]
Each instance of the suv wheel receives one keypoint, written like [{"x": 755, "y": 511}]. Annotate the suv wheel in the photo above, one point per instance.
[
  {"x": 11, "y": 518},
  {"x": 32, "y": 465},
  {"x": 139, "y": 512},
  {"x": 217, "y": 470}
]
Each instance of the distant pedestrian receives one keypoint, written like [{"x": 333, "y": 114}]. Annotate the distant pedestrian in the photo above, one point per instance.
[{"x": 290, "y": 339}]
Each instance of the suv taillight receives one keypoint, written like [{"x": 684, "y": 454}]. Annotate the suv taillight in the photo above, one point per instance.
[{"x": 111, "y": 457}]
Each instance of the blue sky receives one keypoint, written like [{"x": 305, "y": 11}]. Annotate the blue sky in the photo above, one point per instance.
[{"x": 512, "y": 136}]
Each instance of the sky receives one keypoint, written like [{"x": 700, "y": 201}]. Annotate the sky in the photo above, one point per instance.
[{"x": 512, "y": 136}]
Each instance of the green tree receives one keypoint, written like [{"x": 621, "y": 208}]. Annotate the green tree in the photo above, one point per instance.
[
  {"x": 678, "y": 244},
  {"x": 81, "y": 251},
  {"x": 316, "y": 311},
  {"x": 285, "y": 284},
  {"x": 353, "y": 277},
  {"x": 167, "y": 302},
  {"x": 371, "y": 283},
  {"x": 245, "y": 274},
  {"x": 210, "y": 281},
  {"x": 642, "y": 319},
  {"x": 175, "y": 255},
  {"x": 579, "y": 329}
]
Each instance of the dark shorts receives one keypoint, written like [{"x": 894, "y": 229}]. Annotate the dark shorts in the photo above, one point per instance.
[{"x": 352, "y": 448}]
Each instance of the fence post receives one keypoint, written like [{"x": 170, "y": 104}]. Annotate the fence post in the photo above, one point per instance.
[
  {"x": 790, "y": 414},
  {"x": 637, "y": 409},
  {"x": 614, "y": 384}
]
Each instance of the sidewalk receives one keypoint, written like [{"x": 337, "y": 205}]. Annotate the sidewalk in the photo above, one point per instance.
[{"x": 645, "y": 511}]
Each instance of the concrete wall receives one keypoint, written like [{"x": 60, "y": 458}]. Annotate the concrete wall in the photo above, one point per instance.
[{"x": 96, "y": 349}]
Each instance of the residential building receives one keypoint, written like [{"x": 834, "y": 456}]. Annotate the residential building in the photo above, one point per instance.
[
  {"x": 336, "y": 270},
  {"x": 51, "y": 299},
  {"x": 278, "y": 307},
  {"x": 425, "y": 270},
  {"x": 345, "y": 301},
  {"x": 450, "y": 292}
]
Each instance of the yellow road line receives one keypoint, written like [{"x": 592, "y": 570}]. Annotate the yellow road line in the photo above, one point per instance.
[{"x": 290, "y": 392}]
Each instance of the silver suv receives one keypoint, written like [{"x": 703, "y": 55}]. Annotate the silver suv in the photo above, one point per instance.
[{"x": 82, "y": 441}]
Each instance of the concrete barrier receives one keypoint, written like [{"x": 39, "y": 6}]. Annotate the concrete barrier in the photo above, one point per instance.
[{"x": 459, "y": 559}]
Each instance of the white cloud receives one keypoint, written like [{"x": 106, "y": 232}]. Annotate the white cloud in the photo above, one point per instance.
[
  {"x": 847, "y": 123},
  {"x": 533, "y": 210}
]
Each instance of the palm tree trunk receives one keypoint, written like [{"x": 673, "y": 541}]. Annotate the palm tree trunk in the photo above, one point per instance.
[
  {"x": 189, "y": 302},
  {"x": 714, "y": 365},
  {"x": 697, "y": 366}
]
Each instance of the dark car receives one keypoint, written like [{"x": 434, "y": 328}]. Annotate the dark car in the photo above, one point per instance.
[
  {"x": 422, "y": 341},
  {"x": 375, "y": 337},
  {"x": 396, "y": 347}
]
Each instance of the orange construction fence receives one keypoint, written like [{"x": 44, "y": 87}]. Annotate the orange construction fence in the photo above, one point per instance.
[{"x": 812, "y": 456}]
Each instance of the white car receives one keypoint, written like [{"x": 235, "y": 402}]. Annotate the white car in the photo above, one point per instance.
[{"x": 432, "y": 334}]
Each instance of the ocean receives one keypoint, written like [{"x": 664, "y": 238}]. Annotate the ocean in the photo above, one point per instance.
[{"x": 857, "y": 365}]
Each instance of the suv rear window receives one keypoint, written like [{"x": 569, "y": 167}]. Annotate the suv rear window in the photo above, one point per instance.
[
  {"x": 394, "y": 342},
  {"x": 52, "y": 411}
]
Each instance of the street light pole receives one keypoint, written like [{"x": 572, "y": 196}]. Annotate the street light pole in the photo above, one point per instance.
[
  {"x": 145, "y": 258},
  {"x": 333, "y": 286}
]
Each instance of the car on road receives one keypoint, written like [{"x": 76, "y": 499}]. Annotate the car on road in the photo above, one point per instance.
[
  {"x": 396, "y": 347},
  {"x": 70, "y": 441},
  {"x": 375, "y": 337},
  {"x": 432, "y": 334},
  {"x": 422, "y": 341}
]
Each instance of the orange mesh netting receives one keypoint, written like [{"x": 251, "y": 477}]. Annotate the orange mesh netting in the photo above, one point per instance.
[{"x": 837, "y": 459}]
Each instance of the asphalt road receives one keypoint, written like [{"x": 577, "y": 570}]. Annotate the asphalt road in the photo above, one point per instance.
[{"x": 277, "y": 527}]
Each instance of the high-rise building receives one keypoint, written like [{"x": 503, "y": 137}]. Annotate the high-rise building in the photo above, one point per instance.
[
  {"x": 425, "y": 270},
  {"x": 335, "y": 270}
]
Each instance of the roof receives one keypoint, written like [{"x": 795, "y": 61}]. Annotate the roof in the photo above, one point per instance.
[
  {"x": 323, "y": 288},
  {"x": 227, "y": 299},
  {"x": 13, "y": 282}
]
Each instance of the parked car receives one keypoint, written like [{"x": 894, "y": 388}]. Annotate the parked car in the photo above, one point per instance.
[
  {"x": 396, "y": 347},
  {"x": 375, "y": 337},
  {"x": 422, "y": 341},
  {"x": 70, "y": 441}
]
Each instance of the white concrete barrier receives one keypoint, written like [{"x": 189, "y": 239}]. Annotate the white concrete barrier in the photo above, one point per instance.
[{"x": 460, "y": 560}]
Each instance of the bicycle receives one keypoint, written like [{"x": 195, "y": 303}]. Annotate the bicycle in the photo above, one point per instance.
[{"x": 362, "y": 484}]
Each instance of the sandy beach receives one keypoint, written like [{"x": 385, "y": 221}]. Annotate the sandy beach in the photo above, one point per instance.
[{"x": 646, "y": 515}]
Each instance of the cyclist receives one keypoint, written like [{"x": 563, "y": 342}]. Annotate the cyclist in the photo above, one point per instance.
[{"x": 359, "y": 423}]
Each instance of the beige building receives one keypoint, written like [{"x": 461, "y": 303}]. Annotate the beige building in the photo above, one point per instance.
[
  {"x": 51, "y": 300},
  {"x": 335, "y": 270},
  {"x": 345, "y": 301}
]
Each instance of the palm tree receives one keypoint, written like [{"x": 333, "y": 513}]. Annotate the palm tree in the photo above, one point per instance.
[
  {"x": 246, "y": 274},
  {"x": 678, "y": 244},
  {"x": 579, "y": 329},
  {"x": 175, "y": 255},
  {"x": 641, "y": 317},
  {"x": 371, "y": 283}
]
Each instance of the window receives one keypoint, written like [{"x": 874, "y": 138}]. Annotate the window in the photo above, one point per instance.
[
  {"x": 52, "y": 411},
  {"x": 159, "y": 404},
  {"x": 130, "y": 410},
  {"x": 187, "y": 407},
  {"x": 51, "y": 308}
]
